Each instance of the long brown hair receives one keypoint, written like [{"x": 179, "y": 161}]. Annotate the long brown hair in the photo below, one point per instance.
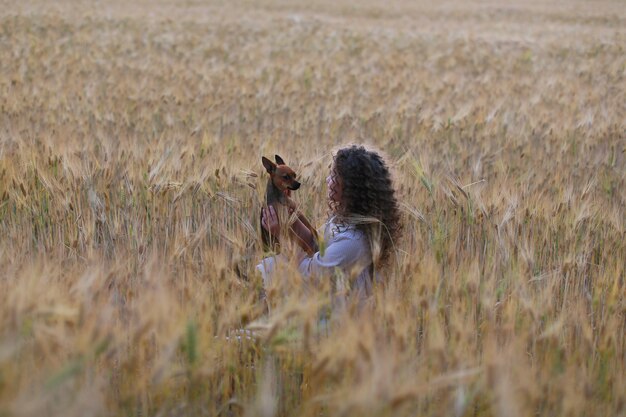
[{"x": 367, "y": 200}]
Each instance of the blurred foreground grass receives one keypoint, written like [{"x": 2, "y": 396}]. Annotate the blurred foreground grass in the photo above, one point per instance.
[{"x": 130, "y": 189}]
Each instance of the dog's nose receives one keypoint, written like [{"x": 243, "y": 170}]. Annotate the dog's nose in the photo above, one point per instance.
[{"x": 295, "y": 185}]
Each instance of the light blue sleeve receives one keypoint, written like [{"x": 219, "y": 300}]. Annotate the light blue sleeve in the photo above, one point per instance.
[{"x": 342, "y": 252}]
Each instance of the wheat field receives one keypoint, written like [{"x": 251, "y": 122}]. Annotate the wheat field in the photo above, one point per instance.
[{"x": 131, "y": 136}]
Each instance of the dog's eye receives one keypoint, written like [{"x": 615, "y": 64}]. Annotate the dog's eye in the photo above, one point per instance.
[{"x": 286, "y": 177}]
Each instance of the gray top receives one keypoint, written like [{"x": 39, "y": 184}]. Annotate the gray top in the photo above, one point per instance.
[{"x": 346, "y": 260}]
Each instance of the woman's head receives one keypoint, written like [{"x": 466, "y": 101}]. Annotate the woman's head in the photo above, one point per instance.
[{"x": 360, "y": 191}]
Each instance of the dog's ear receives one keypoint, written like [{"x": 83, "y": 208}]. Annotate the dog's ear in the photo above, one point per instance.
[
  {"x": 269, "y": 165},
  {"x": 279, "y": 160}
]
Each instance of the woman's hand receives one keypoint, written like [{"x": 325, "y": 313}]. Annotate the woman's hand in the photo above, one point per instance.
[{"x": 269, "y": 220}]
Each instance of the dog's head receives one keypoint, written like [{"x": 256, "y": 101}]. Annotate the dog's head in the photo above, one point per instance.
[{"x": 283, "y": 177}]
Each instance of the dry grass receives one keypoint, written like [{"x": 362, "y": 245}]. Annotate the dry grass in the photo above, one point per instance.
[{"x": 130, "y": 136}]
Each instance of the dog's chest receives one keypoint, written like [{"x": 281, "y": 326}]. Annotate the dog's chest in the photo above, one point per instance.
[{"x": 273, "y": 194}]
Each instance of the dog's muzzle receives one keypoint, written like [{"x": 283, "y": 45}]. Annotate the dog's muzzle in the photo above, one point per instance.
[{"x": 295, "y": 186}]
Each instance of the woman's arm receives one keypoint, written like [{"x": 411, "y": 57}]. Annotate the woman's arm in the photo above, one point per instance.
[
  {"x": 301, "y": 233},
  {"x": 342, "y": 252}
]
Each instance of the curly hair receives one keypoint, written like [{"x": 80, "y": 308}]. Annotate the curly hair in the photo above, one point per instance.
[{"x": 367, "y": 199}]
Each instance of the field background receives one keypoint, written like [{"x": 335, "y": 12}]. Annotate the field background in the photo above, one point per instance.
[{"x": 130, "y": 185}]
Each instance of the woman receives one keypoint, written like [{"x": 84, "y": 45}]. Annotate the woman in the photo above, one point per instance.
[{"x": 362, "y": 229}]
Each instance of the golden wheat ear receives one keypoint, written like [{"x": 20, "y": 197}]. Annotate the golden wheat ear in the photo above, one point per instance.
[
  {"x": 269, "y": 165},
  {"x": 279, "y": 160}
]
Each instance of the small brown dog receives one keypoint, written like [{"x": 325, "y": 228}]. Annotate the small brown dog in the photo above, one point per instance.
[{"x": 281, "y": 182}]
